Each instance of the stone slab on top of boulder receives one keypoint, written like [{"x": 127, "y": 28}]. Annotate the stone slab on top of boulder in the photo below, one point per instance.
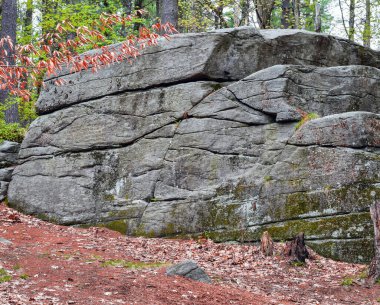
[{"x": 227, "y": 55}]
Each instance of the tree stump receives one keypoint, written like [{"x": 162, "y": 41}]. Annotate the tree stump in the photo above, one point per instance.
[
  {"x": 266, "y": 244},
  {"x": 374, "y": 269},
  {"x": 296, "y": 249}
]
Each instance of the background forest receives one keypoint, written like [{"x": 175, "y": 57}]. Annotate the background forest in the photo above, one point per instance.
[{"x": 26, "y": 21}]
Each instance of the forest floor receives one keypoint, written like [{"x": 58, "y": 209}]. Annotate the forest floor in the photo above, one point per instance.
[{"x": 43, "y": 263}]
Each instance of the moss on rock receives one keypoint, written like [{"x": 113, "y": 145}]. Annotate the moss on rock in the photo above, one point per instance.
[
  {"x": 355, "y": 250},
  {"x": 357, "y": 225},
  {"x": 351, "y": 198},
  {"x": 116, "y": 225}
]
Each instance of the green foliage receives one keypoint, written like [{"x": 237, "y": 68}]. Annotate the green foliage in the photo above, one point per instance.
[
  {"x": 4, "y": 277},
  {"x": 131, "y": 265},
  {"x": 24, "y": 276},
  {"x": 306, "y": 118},
  {"x": 297, "y": 264},
  {"x": 268, "y": 178},
  {"x": 363, "y": 275},
  {"x": 348, "y": 281},
  {"x": 307, "y": 15},
  {"x": 14, "y": 131},
  {"x": 11, "y": 132},
  {"x": 16, "y": 267}
]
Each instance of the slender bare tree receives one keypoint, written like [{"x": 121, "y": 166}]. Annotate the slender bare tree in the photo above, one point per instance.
[
  {"x": 285, "y": 16},
  {"x": 367, "y": 26},
  {"x": 8, "y": 28},
  {"x": 296, "y": 13},
  {"x": 318, "y": 17},
  {"x": 351, "y": 21}
]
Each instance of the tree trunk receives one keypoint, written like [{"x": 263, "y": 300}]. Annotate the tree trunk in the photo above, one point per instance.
[
  {"x": 138, "y": 6},
  {"x": 351, "y": 22},
  {"x": 296, "y": 13},
  {"x": 169, "y": 12},
  {"x": 127, "y": 6},
  {"x": 245, "y": 13},
  {"x": 127, "y": 10},
  {"x": 367, "y": 25},
  {"x": 374, "y": 271},
  {"x": 285, "y": 16},
  {"x": 264, "y": 9},
  {"x": 27, "y": 22},
  {"x": 266, "y": 244},
  {"x": 8, "y": 28},
  {"x": 237, "y": 15},
  {"x": 318, "y": 19},
  {"x": 297, "y": 250},
  {"x": 158, "y": 14}
]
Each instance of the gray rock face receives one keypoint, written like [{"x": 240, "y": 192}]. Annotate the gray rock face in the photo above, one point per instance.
[
  {"x": 190, "y": 270},
  {"x": 209, "y": 141},
  {"x": 8, "y": 161},
  {"x": 230, "y": 54}
]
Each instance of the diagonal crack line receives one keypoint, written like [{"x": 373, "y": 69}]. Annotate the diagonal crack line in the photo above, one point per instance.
[
  {"x": 231, "y": 154},
  {"x": 190, "y": 79},
  {"x": 109, "y": 147},
  {"x": 239, "y": 101}
]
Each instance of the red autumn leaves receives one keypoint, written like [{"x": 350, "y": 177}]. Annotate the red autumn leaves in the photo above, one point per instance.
[{"x": 23, "y": 66}]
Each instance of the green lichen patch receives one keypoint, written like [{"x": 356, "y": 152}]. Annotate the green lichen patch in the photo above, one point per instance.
[
  {"x": 356, "y": 225},
  {"x": 131, "y": 265},
  {"x": 215, "y": 215},
  {"x": 351, "y": 198},
  {"x": 109, "y": 197},
  {"x": 130, "y": 212},
  {"x": 169, "y": 230},
  {"x": 348, "y": 281},
  {"x": 141, "y": 231},
  {"x": 216, "y": 86},
  {"x": 115, "y": 225},
  {"x": 47, "y": 218},
  {"x": 268, "y": 178},
  {"x": 348, "y": 250},
  {"x": 240, "y": 190}
]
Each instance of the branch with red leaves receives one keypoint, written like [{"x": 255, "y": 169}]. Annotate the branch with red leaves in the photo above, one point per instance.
[{"x": 53, "y": 52}]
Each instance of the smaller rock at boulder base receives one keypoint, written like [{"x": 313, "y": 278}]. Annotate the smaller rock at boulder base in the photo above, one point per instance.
[
  {"x": 5, "y": 241},
  {"x": 189, "y": 269}
]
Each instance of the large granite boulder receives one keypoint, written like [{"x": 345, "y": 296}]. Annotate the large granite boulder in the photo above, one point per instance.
[
  {"x": 8, "y": 161},
  {"x": 205, "y": 134}
]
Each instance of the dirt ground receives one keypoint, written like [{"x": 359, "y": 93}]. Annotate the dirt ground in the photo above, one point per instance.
[{"x": 51, "y": 264}]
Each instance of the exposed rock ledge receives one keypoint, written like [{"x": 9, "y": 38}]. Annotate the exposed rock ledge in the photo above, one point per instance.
[{"x": 199, "y": 135}]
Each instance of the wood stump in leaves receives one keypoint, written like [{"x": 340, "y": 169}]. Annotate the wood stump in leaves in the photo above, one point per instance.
[
  {"x": 266, "y": 244},
  {"x": 374, "y": 269},
  {"x": 296, "y": 249}
]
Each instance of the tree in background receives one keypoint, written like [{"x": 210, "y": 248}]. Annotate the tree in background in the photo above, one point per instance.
[
  {"x": 264, "y": 11},
  {"x": 23, "y": 66},
  {"x": 8, "y": 29},
  {"x": 367, "y": 24},
  {"x": 362, "y": 17},
  {"x": 168, "y": 10}
]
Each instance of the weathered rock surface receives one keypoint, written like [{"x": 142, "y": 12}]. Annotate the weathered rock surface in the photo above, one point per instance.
[
  {"x": 8, "y": 161},
  {"x": 190, "y": 270},
  {"x": 230, "y": 54},
  {"x": 199, "y": 135}
]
